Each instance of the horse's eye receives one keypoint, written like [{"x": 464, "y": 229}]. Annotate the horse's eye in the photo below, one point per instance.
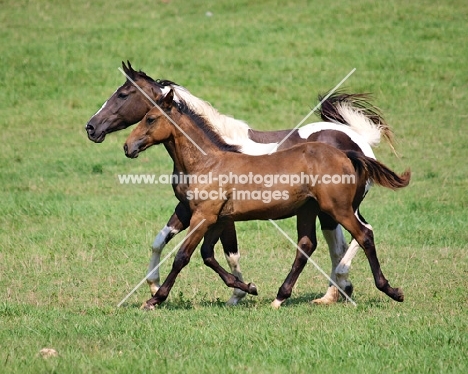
[
  {"x": 122, "y": 95},
  {"x": 150, "y": 120}
]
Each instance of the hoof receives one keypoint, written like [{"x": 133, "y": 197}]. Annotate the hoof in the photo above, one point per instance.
[
  {"x": 146, "y": 306},
  {"x": 252, "y": 289},
  {"x": 276, "y": 304},
  {"x": 398, "y": 295},
  {"x": 348, "y": 290},
  {"x": 331, "y": 297},
  {"x": 233, "y": 301},
  {"x": 237, "y": 296}
]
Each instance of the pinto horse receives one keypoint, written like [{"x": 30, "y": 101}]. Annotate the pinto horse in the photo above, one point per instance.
[
  {"x": 178, "y": 128},
  {"x": 350, "y": 123}
]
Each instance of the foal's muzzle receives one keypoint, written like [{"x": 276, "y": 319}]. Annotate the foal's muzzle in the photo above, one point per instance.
[{"x": 130, "y": 153}]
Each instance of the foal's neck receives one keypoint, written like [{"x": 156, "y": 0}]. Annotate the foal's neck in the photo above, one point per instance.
[{"x": 187, "y": 146}]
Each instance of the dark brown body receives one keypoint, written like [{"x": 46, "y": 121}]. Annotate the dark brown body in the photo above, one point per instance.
[{"x": 209, "y": 217}]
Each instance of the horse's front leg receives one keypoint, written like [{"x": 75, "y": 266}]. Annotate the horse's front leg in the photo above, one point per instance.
[
  {"x": 178, "y": 222},
  {"x": 306, "y": 245},
  {"x": 231, "y": 252},
  {"x": 207, "y": 252},
  {"x": 198, "y": 227}
]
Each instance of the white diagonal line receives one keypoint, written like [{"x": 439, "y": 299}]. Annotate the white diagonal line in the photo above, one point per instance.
[
  {"x": 160, "y": 263},
  {"x": 313, "y": 110},
  {"x": 313, "y": 262},
  {"x": 157, "y": 106}
]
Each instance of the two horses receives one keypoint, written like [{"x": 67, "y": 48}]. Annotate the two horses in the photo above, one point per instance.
[
  {"x": 350, "y": 123},
  {"x": 183, "y": 133}
]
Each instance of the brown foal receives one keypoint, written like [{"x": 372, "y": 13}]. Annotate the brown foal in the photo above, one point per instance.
[{"x": 178, "y": 127}]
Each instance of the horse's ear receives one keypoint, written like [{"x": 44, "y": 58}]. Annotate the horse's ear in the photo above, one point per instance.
[
  {"x": 128, "y": 70},
  {"x": 166, "y": 101}
]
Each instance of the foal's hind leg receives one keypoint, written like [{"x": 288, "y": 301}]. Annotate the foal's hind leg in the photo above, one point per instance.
[
  {"x": 231, "y": 252},
  {"x": 207, "y": 252},
  {"x": 307, "y": 243},
  {"x": 364, "y": 235},
  {"x": 178, "y": 222}
]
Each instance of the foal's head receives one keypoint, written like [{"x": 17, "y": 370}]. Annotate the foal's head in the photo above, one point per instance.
[
  {"x": 155, "y": 127},
  {"x": 126, "y": 106}
]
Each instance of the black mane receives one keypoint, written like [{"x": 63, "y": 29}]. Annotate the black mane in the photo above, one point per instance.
[
  {"x": 161, "y": 83},
  {"x": 201, "y": 123}
]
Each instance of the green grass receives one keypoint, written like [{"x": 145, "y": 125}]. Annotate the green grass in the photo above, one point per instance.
[{"x": 73, "y": 242}]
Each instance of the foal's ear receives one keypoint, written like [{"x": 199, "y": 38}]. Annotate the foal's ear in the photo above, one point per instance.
[{"x": 166, "y": 101}]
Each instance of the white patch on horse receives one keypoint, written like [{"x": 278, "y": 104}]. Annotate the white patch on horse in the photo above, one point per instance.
[
  {"x": 249, "y": 147},
  {"x": 360, "y": 123},
  {"x": 363, "y": 223},
  {"x": 160, "y": 240},
  {"x": 307, "y": 130},
  {"x": 233, "y": 262},
  {"x": 232, "y": 130},
  {"x": 345, "y": 263},
  {"x": 103, "y": 105},
  {"x": 158, "y": 245},
  {"x": 166, "y": 89}
]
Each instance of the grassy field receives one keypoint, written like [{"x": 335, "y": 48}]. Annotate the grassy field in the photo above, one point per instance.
[{"x": 73, "y": 242}]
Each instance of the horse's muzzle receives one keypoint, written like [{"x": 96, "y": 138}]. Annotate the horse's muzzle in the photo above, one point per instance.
[
  {"x": 92, "y": 135},
  {"x": 130, "y": 153}
]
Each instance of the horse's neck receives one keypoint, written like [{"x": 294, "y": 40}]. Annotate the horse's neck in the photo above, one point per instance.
[{"x": 191, "y": 148}]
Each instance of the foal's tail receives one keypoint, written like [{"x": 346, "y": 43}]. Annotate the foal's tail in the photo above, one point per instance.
[{"x": 378, "y": 172}]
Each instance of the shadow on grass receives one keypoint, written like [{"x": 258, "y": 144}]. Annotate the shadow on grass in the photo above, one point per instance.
[{"x": 180, "y": 302}]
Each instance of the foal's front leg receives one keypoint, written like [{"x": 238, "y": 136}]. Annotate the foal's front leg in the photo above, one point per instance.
[
  {"x": 178, "y": 222},
  {"x": 198, "y": 227},
  {"x": 207, "y": 252}
]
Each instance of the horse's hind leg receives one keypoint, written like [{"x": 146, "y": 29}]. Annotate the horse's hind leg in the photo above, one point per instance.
[
  {"x": 364, "y": 235},
  {"x": 178, "y": 222},
  {"x": 306, "y": 245},
  {"x": 207, "y": 252},
  {"x": 231, "y": 252},
  {"x": 337, "y": 246}
]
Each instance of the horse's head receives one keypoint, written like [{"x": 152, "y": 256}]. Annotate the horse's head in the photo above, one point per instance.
[
  {"x": 125, "y": 107},
  {"x": 155, "y": 127}
]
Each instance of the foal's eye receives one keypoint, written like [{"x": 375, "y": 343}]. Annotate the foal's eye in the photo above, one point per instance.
[
  {"x": 150, "y": 120},
  {"x": 122, "y": 95}
]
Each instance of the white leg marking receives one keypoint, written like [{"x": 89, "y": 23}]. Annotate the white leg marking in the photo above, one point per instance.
[
  {"x": 233, "y": 262},
  {"x": 337, "y": 247},
  {"x": 343, "y": 267},
  {"x": 276, "y": 304},
  {"x": 158, "y": 245}
]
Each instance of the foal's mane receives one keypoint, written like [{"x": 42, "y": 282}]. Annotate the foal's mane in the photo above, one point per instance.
[
  {"x": 201, "y": 122},
  {"x": 234, "y": 131}
]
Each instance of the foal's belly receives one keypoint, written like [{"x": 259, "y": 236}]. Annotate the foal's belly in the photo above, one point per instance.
[{"x": 262, "y": 205}]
